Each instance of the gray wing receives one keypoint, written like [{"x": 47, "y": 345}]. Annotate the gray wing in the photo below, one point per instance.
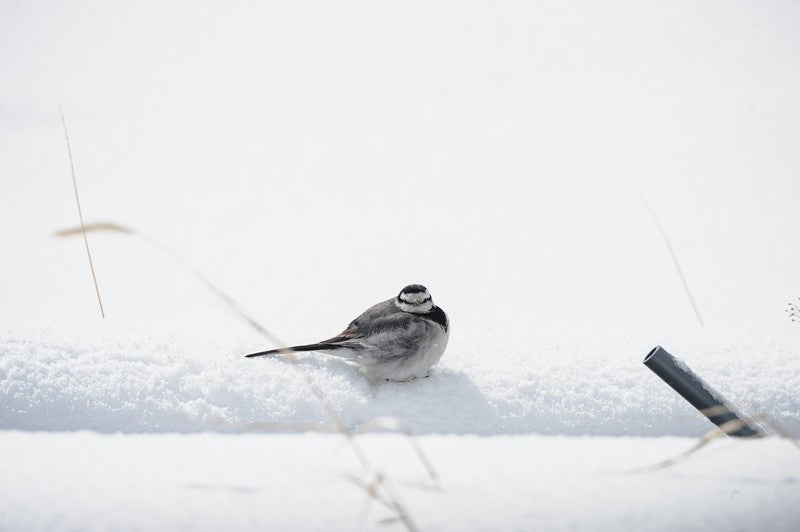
[
  {"x": 378, "y": 318},
  {"x": 382, "y": 317}
]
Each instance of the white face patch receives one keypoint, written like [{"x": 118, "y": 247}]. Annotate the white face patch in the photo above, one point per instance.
[
  {"x": 416, "y": 308},
  {"x": 415, "y": 297}
]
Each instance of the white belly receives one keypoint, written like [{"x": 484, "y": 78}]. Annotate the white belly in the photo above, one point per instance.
[{"x": 416, "y": 365}]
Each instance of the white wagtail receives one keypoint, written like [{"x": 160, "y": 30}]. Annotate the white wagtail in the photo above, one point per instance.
[{"x": 396, "y": 340}]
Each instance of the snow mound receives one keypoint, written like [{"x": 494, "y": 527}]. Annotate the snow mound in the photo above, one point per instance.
[{"x": 120, "y": 377}]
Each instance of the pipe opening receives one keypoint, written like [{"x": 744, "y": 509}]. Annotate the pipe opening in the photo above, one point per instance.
[{"x": 651, "y": 353}]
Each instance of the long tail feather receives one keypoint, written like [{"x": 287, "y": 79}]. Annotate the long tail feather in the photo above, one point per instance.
[{"x": 298, "y": 348}]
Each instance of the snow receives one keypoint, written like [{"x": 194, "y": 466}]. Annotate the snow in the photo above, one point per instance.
[
  {"x": 121, "y": 377},
  {"x": 89, "y": 481},
  {"x": 310, "y": 160}
]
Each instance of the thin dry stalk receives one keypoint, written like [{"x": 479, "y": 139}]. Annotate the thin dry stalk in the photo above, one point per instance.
[
  {"x": 721, "y": 410},
  {"x": 389, "y": 424},
  {"x": 227, "y": 300},
  {"x": 99, "y": 226},
  {"x": 390, "y": 496},
  {"x": 781, "y": 431},
  {"x": 723, "y": 430},
  {"x": 80, "y": 215},
  {"x": 674, "y": 258},
  {"x": 372, "y": 489},
  {"x": 394, "y": 425}
]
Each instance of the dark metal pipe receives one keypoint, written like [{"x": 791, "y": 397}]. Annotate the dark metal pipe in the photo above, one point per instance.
[{"x": 701, "y": 396}]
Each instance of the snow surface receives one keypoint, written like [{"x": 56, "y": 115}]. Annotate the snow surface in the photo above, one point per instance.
[
  {"x": 87, "y": 481},
  {"x": 117, "y": 377}
]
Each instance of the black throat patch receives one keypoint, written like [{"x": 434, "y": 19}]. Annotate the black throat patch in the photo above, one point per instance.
[{"x": 437, "y": 316}]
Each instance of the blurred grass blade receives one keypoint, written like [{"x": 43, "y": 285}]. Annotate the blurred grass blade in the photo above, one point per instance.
[
  {"x": 674, "y": 257},
  {"x": 394, "y": 425},
  {"x": 88, "y": 228},
  {"x": 725, "y": 429},
  {"x": 388, "y": 497}
]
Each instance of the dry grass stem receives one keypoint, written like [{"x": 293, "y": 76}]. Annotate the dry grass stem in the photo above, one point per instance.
[
  {"x": 389, "y": 498},
  {"x": 724, "y": 430},
  {"x": 382, "y": 423},
  {"x": 80, "y": 215},
  {"x": 781, "y": 431},
  {"x": 674, "y": 258},
  {"x": 720, "y": 410},
  {"x": 227, "y": 300},
  {"x": 101, "y": 226},
  {"x": 394, "y": 425},
  {"x": 373, "y": 491}
]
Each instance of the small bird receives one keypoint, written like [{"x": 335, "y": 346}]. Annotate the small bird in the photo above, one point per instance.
[{"x": 396, "y": 340}]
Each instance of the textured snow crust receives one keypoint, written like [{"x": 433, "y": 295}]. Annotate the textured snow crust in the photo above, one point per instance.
[{"x": 123, "y": 377}]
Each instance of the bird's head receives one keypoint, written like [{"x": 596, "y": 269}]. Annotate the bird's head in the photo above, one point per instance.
[{"x": 414, "y": 298}]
